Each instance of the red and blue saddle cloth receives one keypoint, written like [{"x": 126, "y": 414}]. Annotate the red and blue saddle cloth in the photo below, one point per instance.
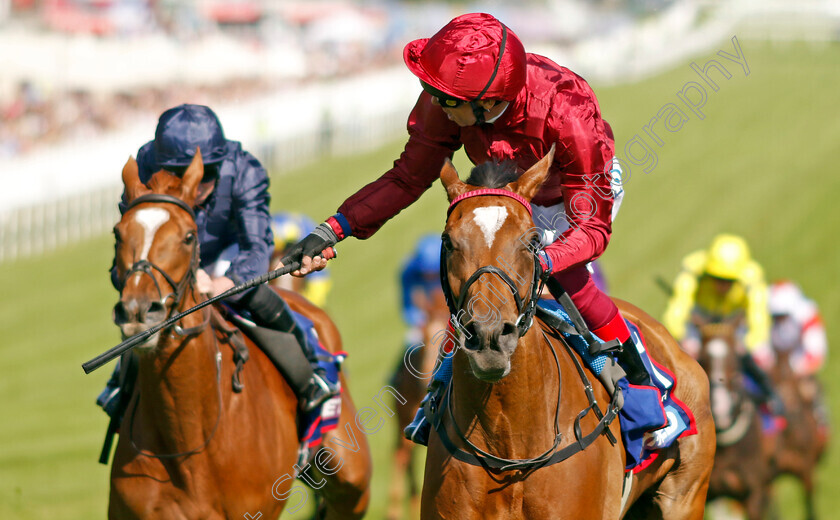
[
  {"x": 314, "y": 424},
  {"x": 651, "y": 418}
]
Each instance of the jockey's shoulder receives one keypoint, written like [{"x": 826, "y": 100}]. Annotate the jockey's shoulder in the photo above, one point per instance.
[
  {"x": 695, "y": 263},
  {"x": 753, "y": 274}
]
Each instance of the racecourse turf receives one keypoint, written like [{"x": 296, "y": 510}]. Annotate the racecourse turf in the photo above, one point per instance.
[{"x": 761, "y": 163}]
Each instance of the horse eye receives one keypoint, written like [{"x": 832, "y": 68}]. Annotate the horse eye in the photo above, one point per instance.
[
  {"x": 190, "y": 238},
  {"x": 117, "y": 236},
  {"x": 447, "y": 243}
]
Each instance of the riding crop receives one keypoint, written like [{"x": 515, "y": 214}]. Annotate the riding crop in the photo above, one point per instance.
[{"x": 141, "y": 337}]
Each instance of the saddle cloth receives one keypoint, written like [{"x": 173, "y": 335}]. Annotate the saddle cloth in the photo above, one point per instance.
[
  {"x": 651, "y": 418},
  {"x": 313, "y": 425}
]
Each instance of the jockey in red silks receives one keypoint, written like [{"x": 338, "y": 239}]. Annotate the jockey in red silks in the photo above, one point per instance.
[{"x": 481, "y": 90}]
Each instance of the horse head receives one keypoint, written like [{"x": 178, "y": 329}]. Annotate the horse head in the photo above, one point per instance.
[
  {"x": 489, "y": 269},
  {"x": 156, "y": 247},
  {"x": 719, "y": 359}
]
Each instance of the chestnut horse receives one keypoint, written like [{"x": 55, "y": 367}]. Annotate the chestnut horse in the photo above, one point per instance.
[
  {"x": 517, "y": 391},
  {"x": 804, "y": 439},
  {"x": 410, "y": 380},
  {"x": 743, "y": 466},
  {"x": 191, "y": 447}
]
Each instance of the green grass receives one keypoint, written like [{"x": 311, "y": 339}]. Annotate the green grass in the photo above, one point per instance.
[{"x": 759, "y": 164}]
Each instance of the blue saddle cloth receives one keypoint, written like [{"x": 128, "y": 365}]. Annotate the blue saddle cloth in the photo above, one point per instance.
[{"x": 651, "y": 418}]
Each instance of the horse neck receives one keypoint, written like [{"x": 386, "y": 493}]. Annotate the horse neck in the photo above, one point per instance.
[
  {"x": 178, "y": 384},
  {"x": 513, "y": 418}
]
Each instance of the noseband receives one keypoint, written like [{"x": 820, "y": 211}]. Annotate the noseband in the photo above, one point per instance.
[
  {"x": 526, "y": 309},
  {"x": 147, "y": 267}
]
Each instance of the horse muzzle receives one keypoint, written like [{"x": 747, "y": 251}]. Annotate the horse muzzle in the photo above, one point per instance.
[
  {"x": 489, "y": 350},
  {"x": 134, "y": 316}
]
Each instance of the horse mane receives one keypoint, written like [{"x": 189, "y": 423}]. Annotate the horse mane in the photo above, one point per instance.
[
  {"x": 165, "y": 182},
  {"x": 494, "y": 174}
]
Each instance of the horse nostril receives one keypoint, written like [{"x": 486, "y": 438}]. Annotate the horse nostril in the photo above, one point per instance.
[
  {"x": 120, "y": 314},
  {"x": 508, "y": 328},
  {"x": 155, "y": 309}
]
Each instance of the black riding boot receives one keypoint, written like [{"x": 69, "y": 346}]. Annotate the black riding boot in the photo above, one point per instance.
[
  {"x": 270, "y": 310},
  {"x": 631, "y": 361}
]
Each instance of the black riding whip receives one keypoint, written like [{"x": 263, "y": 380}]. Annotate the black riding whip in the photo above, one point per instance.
[{"x": 141, "y": 337}]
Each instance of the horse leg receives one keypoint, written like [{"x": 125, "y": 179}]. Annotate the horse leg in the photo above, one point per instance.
[
  {"x": 756, "y": 504},
  {"x": 413, "y": 488},
  {"x": 344, "y": 462},
  {"x": 682, "y": 493},
  {"x": 400, "y": 471},
  {"x": 808, "y": 492}
]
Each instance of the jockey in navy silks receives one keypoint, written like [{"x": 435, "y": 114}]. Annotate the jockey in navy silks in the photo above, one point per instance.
[{"x": 231, "y": 210}]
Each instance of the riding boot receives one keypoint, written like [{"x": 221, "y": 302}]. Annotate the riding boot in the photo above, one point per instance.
[
  {"x": 760, "y": 377},
  {"x": 271, "y": 311},
  {"x": 419, "y": 429},
  {"x": 115, "y": 396},
  {"x": 629, "y": 355},
  {"x": 631, "y": 360}
]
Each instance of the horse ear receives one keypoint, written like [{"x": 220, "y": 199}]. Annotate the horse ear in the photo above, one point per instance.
[
  {"x": 530, "y": 181},
  {"x": 450, "y": 180},
  {"x": 131, "y": 179},
  {"x": 192, "y": 177}
]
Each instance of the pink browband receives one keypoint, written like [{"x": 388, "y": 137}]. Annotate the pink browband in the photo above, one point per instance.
[{"x": 490, "y": 191}]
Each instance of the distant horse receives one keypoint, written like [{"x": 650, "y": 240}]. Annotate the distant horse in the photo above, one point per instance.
[
  {"x": 743, "y": 466},
  {"x": 517, "y": 396},
  {"x": 190, "y": 446},
  {"x": 804, "y": 439},
  {"x": 411, "y": 379}
]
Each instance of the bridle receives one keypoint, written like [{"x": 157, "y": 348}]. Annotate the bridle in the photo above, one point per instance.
[
  {"x": 476, "y": 456},
  {"x": 147, "y": 267},
  {"x": 525, "y": 308},
  {"x": 179, "y": 291}
]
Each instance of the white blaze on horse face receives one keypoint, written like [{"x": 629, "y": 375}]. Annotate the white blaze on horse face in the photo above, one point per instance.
[
  {"x": 151, "y": 219},
  {"x": 490, "y": 220},
  {"x": 717, "y": 348}
]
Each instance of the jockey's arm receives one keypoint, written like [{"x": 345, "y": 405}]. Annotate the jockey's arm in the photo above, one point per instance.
[
  {"x": 432, "y": 139},
  {"x": 681, "y": 303},
  {"x": 253, "y": 222},
  {"x": 757, "y": 313},
  {"x": 585, "y": 148}
]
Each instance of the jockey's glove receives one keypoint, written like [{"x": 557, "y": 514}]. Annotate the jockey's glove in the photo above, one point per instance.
[{"x": 314, "y": 244}]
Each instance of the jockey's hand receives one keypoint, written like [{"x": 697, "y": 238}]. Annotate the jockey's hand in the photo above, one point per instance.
[
  {"x": 203, "y": 282},
  {"x": 221, "y": 284},
  {"x": 310, "y": 251}
]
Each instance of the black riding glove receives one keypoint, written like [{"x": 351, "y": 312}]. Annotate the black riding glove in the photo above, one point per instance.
[{"x": 321, "y": 238}]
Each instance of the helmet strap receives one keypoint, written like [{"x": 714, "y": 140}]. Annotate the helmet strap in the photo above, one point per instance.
[{"x": 478, "y": 111}]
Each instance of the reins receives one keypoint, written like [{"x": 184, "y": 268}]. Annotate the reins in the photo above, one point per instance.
[
  {"x": 146, "y": 267},
  {"x": 476, "y": 456}
]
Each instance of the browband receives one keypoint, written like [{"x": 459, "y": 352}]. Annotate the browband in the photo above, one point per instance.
[
  {"x": 490, "y": 191},
  {"x": 160, "y": 197}
]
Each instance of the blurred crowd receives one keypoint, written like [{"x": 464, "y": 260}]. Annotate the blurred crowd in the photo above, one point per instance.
[
  {"x": 332, "y": 39},
  {"x": 35, "y": 117}
]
